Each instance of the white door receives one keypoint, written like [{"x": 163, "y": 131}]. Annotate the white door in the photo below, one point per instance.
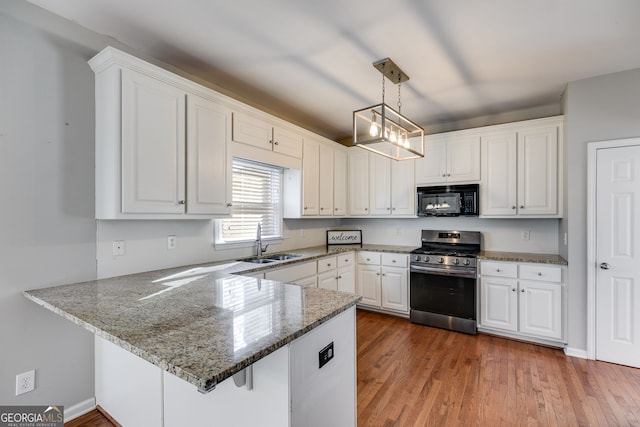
[
  {"x": 358, "y": 196},
  {"x": 380, "y": 189},
  {"x": 499, "y": 303},
  {"x": 310, "y": 172},
  {"x": 339, "y": 182},
  {"x": 403, "y": 189},
  {"x": 325, "y": 177},
  {"x": 369, "y": 284},
  {"x": 394, "y": 287},
  {"x": 618, "y": 255}
]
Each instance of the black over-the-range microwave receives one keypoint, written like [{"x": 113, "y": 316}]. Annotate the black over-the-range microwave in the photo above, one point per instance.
[{"x": 448, "y": 200}]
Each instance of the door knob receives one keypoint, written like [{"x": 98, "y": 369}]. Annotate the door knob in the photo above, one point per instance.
[{"x": 605, "y": 266}]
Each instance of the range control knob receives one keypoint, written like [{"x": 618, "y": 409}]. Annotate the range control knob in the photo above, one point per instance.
[
  {"x": 456, "y": 261},
  {"x": 418, "y": 257},
  {"x": 426, "y": 259},
  {"x": 466, "y": 262},
  {"x": 441, "y": 260}
]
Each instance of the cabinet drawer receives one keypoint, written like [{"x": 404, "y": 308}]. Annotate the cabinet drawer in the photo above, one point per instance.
[
  {"x": 372, "y": 258},
  {"x": 541, "y": 272},
  {"x": 498, "y": 269},
  {"x": 326, "y": 264},
  {"x": 346, "y": 260},
  {"x": 293, "y": 273},
  {"x": 394, "y": 260}
]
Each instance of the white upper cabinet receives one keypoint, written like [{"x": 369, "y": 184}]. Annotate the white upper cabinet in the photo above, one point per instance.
[
  {"x": 325, "y": 180},
  {"x": 339, "y": 183},
  {"x": 358, "y": 194},
  {"x": 263, "y": 134},
  {"x": 449, "y": 157},
  {"x": 522, "y": 170},
  {"x": 152, "y": 127},
  {"x": 390, "y": 183},
  {"x": 153, "y": 145},
  {"x": 208, "y": 165},
  {"x": 319, "y": 189}
]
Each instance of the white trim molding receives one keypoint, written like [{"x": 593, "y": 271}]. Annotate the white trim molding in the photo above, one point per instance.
[
  {"x": 74, "y": 411},
  {"x": 576, "y": 352}
]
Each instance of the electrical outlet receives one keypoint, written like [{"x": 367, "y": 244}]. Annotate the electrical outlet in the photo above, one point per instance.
[
  {"x": 25, "y": 382},
  {"x": 172, "y": 242},
  {"x": 525, "y": 235},
  {"x": 118, "y": 247}
]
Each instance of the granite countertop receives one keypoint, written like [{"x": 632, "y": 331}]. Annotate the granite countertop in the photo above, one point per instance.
[
  {"x": 198, "y": 323},
  {"x": 522, "y": 257}
]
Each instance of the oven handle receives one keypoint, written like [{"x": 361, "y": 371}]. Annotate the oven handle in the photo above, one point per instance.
[{"x": 443, "y": 271}]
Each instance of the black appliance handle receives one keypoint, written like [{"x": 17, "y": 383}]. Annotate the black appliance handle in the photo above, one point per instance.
[{"x": 443, "y": 271}]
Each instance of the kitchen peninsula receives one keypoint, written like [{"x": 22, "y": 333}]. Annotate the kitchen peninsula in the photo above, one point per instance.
[{"x": 250, "y": 347}]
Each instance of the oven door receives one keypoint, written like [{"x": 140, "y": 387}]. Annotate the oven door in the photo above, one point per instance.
[{"x": 447, "y": 295}]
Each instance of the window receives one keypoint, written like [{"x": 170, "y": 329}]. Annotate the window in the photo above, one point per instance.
[{"x": 257, "y": 199}]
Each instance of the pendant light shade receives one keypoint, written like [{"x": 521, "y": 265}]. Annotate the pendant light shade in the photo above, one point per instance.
[{"x": 382, "y": 129}]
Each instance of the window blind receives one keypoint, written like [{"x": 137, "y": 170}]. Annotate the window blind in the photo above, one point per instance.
[{"x": 257, "y": 199}]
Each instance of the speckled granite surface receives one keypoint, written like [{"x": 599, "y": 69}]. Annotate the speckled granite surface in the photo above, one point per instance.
[
  {"x": 202, "y": 327},
  {"x": 522, "y": 257}
]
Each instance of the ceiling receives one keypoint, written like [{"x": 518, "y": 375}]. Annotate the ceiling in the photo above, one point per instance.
[{"x": 311, "y": 61}]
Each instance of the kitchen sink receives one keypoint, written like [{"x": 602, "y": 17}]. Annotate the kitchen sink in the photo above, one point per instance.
[
  {"x": 257, "y": 260},
  {"x": 281, "y": 257},
  {"x": 265, "y": 259}
]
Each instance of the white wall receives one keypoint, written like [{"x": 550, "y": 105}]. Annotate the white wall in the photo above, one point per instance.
[
  {"x": 596, "y": 109},
  {"x": 497, "y": 234},
  {"x": 47, "y": 230},
  {"x": 146, "y": 243}
]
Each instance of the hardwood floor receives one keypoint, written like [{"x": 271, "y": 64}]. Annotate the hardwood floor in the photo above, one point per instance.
[
  {"x": 95, "y": 418},
  {"x": 412, "y": 375}
]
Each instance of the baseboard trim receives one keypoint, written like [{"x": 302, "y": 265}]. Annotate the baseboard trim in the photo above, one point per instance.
[
  {"x": 74, "y": 411},
  {"x": 576, "y": 352},
  {"x": 108, "y": 416}
]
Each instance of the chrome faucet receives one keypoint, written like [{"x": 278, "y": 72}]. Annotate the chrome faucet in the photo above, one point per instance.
[{"x": 260, "y": 248}]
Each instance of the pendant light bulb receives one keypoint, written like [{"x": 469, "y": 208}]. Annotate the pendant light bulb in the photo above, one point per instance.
[
  {"x": 393, "y": 137},
  {"x": 373, "y": 129}
]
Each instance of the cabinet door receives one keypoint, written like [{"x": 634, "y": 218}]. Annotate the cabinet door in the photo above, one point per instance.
[
  {"x": 287, "y": 141},
  {"x": 358, "y": 181},
  {"x": 153, "y": 145},
  {"x": 328, "y": 280},
  {"x": 538, "y": 171},
  {"x": 499, "y": 303},
  {"x": 310, "y": 174},
  {"x": 541, "y": 309},
  {"x": 432, "y": 168},
  {"x": 380, "y": 190},
  {"x": 499, "y": 162},
  {"x": 339, "y": 182},
  {"x": 368, "y": 284},
  {"x": 253, "y": 131},
  {"x": 403, "y": 188},
  {"x": 347, "y": 280},
  {"x": 326, "y": 182},
  {"x": 208, "y": 166},
  {"x": 463, "y": 158},
  {"x": 395, "y": 285}
]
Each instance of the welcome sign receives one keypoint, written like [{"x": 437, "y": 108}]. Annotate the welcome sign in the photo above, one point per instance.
[{"x": 344, "y": 237}]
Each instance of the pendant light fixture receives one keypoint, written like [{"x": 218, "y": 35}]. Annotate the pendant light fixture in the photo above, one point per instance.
[{"x": 382, "y": 129}]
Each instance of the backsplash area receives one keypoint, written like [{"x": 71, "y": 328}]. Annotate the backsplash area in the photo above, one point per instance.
[{"x": 145, "y": 242}]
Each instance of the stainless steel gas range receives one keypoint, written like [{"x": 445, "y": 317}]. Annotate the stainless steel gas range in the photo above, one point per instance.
[{"x": 443, "y": 280}]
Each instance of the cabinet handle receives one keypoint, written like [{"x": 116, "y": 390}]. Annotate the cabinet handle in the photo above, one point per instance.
[
  {"x": 328, "y": 264},
  {"x": 521, "y": 206},
  {"x": 383, "y": 274},
  {"x": 366, "y": 209},
  {"x": 497, "y": 270},
  {"x": 335, "y": 209},
  {"x": 444, "y": 175},
  {"x": 388, "y": 209},
  {"x": 339, "y": 277},
  {"x": 539, "y": 274},
  {"x": 448, "y": 174},
  {"x": 181, "y": 202},
  {"x": 513, "y": 207},
  {"x": 522, "y": 290},
  {"x": 305, "y": 208},
  {"x": 393, "y": 260},
  {"x": 271, "y": 141},
  {"x": 368, "y": 259},
  {"x": 393, "y": 209},
  {"x": 229, "y": 205},
  {"x": 321, "y": 209},
  {"x": 513, "y": 290},
  {"x": 276, "y": 143}
]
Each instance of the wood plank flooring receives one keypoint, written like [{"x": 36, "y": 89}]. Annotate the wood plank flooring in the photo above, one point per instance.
[{"x": 412, "y": 375}]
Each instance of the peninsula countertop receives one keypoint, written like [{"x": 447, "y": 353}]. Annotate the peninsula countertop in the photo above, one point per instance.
[{"x": 199, "y": 323}]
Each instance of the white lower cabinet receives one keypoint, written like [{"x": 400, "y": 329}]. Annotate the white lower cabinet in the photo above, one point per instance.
[
  {"x": 289, "y": 386},
  {"x": 525, "y": 300},
  {"x": 383, "y": 281},
  {"x": 303, "y": 274},
  {"x": 337, "y": 273}
]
